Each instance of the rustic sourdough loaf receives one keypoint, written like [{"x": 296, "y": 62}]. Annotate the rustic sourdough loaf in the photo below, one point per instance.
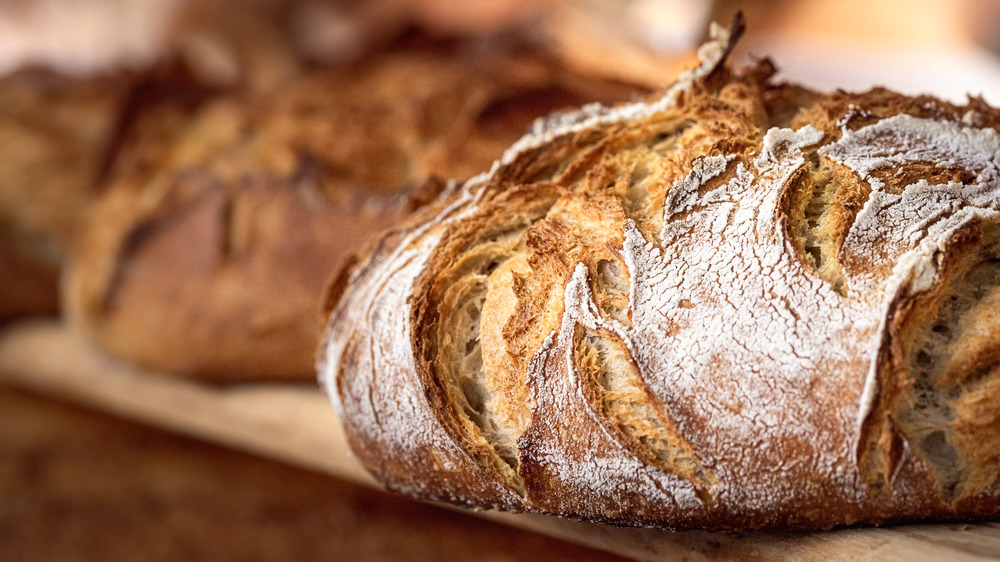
[
  {"x": 209, "y": 253},
  {"x": 739, "y": 305}
]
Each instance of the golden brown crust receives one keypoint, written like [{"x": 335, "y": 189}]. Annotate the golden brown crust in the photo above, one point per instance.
[
  {"x": 708, "y": 310},
  {"x": 209, "y": 255}
]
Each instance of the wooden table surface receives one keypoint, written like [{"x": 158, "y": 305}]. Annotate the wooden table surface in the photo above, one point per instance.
[
  {"x": 296, "y": 425},
  {"x": 77, "y": 484}
]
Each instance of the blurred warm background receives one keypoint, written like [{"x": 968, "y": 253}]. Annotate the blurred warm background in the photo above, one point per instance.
[{"x": 179, "y": 179}]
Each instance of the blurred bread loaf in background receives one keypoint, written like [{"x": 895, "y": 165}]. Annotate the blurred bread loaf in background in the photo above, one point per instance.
[
  {"x": 208, "y": 254},
  {"x": 77, "y": 78}
]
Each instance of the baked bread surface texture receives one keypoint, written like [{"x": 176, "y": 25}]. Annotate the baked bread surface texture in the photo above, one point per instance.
[{"x": 742, "y": 305}]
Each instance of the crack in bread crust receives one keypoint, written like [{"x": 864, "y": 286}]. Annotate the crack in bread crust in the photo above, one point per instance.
[
  {"x": 449, "y": 333},
  {"x": 939, "y": 365}
]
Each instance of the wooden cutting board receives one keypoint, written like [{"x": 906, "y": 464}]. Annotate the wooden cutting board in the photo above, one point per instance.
[{"x": 296, "y": 424}]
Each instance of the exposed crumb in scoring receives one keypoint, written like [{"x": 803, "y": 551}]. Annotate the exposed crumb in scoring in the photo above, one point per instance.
[
  {"x": 396, "y": 416},
  {"x": 329, "y": 362},
  {"x": 903, "y": 231}
]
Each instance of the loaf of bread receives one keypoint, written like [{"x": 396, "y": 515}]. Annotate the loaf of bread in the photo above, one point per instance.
[
  {"x": 69, "y": 105},
  {"x": 739, "y": 305},
  {"x": 209, "y": 254}
]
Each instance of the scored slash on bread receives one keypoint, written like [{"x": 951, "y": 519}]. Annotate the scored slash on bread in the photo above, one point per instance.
[{"x": 740, "y": 305}]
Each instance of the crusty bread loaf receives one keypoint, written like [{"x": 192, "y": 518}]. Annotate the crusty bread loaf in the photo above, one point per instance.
[
  {"x": 65, "y": 113},
  {"x": 739, "y": 305},
  {"x": 208, "y": 256}
]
